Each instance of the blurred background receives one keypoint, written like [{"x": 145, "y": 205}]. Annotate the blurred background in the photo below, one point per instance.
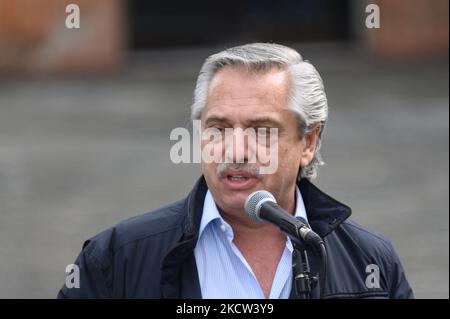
[{"x": 85, "y": 118}]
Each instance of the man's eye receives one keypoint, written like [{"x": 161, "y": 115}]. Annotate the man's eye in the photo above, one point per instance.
[
  {"x": 264, "y": 130},
  {"x": 217, "y": 128}
]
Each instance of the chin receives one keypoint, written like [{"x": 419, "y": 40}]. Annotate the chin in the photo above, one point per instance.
[{"x": 234, "y": 201}]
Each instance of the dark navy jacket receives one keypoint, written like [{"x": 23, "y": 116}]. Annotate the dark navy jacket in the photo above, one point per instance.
[{"x": 151, "y": 256}]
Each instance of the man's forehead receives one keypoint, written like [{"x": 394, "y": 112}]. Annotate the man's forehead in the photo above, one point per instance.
[
  {"x": 233, "y": 109},
  {"x": 240, "y": 82},
  {"x": 264, "y": 118},
  {"x": 238, "y": 88}
]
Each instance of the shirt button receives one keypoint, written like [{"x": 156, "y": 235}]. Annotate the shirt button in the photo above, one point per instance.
[{"x": 222, "y": 226}]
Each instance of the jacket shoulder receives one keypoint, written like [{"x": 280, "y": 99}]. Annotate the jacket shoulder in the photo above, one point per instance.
[
  {"x": 115, "y": 256},
  {"x": 352, "y": 246},
  {"x": 365, "y": 235},
  {"x": 371, "y": 244},
  {"x": 162, "y": 221}
]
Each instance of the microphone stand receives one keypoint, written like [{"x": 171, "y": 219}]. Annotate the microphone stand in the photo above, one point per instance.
[{"x": 300, "y": 266}]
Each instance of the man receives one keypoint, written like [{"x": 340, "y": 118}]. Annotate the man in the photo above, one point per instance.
[{"x": 206, "y": 246}]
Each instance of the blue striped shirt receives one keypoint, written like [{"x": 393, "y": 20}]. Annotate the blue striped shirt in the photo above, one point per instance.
[{"x": 222, "y": 269}]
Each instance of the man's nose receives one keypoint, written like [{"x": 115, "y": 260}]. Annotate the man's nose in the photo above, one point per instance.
[{"x": 236, "y": 146}]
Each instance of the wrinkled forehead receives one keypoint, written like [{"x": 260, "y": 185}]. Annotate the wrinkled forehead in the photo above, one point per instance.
[
  {"x": 239, "y": 79},
  {"x": 247, "y": 90}
]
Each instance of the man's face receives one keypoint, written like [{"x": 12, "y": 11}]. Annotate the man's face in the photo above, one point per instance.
[{"x": 240, "y": 99}]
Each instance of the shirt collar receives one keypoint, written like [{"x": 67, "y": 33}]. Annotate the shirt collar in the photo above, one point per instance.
[{"x": 211, "y": 213}]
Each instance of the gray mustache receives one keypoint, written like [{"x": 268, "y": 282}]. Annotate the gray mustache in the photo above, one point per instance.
[{"x": 221, "y": 167}]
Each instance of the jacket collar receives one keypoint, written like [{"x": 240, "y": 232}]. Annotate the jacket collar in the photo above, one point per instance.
[{"x": 325, "y": 213}]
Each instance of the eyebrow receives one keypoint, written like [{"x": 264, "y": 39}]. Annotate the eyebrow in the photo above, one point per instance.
[
  {"x": 260, "y": 121},
  {"x": 216, "y": 119}
]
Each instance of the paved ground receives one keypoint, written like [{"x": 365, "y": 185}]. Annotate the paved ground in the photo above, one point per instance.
[{"x": 78, "y": 155}]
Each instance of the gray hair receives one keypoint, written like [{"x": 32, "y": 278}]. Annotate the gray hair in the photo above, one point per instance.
[{"x": 307, "y": 97}]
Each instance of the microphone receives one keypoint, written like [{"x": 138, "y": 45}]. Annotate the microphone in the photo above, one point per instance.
[{"x": 261, "y": 206}]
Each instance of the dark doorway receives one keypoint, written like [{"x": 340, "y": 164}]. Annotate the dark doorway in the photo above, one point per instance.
[{"x": 204, "y": 22}]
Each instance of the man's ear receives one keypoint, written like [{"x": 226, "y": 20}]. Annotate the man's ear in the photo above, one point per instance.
[{"x": 310, "y": 141}]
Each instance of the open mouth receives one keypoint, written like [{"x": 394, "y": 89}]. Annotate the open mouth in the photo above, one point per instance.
[{"x": 237, "y": 178}]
